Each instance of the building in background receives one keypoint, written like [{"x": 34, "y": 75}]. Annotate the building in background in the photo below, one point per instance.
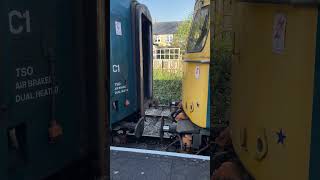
[
  {"x": 165, "y": 55},
  {"x": 163, "y": 33}
]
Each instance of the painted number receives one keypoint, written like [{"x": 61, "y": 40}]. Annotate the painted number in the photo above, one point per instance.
[
  {"x": 19, "y": 29},
  {"x": 116, "y": 68},
  {"x": 25, "y": 71}
]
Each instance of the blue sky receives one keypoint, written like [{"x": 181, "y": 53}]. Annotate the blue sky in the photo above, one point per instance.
[{"x": 169, "y": 10}]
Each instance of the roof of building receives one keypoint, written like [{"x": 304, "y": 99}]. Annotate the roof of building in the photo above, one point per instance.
[{"x": 166, "y": 27}]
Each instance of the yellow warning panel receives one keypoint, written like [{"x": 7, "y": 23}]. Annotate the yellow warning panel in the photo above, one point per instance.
[
  {"x": 272, "y": 88},
  {"x": 195, "y": 92}
]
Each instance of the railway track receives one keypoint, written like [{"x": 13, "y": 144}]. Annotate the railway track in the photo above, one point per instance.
[{"x": 152, "y": 139}]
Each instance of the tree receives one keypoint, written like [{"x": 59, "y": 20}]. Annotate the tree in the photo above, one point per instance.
[{"x": 180, "y": 38}]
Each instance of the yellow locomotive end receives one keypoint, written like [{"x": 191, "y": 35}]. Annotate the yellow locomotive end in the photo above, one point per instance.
[
  {"x": 195, "y": 90},
  {"x": 273, "y": 88}
]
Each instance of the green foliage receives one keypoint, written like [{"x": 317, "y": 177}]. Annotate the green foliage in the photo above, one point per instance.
[
  {"x": 181, "y": 37},
  {"x": 166, "y": 75},
  {"x": 167, "y": 86},
  {"x": 221, "y": 54},
  {"x": 221, "y": 81}
]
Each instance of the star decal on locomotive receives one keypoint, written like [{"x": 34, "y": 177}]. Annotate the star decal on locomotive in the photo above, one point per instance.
[{"x": 281, "y": 137}]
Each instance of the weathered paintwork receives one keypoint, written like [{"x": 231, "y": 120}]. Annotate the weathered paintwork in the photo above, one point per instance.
[
  {"x": 275, "y": 95},
  {"x": 130, "y": 59},
  {"x": 36, "y": 45},
  {"x": 123, "y": 68}
]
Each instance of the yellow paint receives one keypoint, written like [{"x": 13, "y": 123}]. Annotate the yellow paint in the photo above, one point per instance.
[
  {"x": 206, "y": 2},
  {"x": 272, "y": 91},
  {"x": 195, "y": 91}
]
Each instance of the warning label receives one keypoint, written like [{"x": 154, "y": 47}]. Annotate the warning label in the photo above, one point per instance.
[
  {"x": 279, "y": 31},
  {"x": 36, "y": 94},
  {"x": 31, "y": 89},
  {"x": 120, "y": 88},
  {"x": 197, "y": 72}
]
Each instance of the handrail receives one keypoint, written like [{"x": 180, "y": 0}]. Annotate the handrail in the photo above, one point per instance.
[{"x": 207, "y": 61}]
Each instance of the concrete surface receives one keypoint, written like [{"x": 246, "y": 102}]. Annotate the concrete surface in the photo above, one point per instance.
[{"x": 147, "y": 166}]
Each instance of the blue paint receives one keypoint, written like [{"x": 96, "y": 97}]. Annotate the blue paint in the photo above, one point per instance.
[
  {"x": 51, "y": 29},
  {"x": 314, "y": 173},
  {"x": 208, "y": 105},
  {"x": 121, "y": 56},
  {"x": 281, "y": 137}
]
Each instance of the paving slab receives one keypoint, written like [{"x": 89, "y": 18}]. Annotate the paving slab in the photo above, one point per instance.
[{"x": 139, "y": 164}]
